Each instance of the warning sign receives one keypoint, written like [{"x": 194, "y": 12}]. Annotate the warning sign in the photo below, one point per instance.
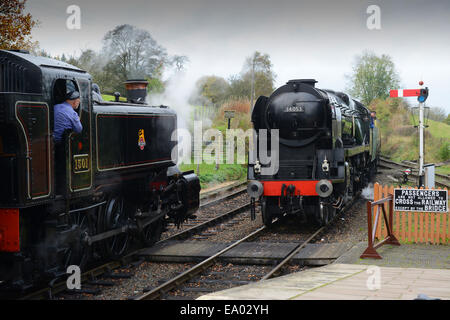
[
  {"x": 420, "y": 200},
  {"x": 229, "y": 114}
]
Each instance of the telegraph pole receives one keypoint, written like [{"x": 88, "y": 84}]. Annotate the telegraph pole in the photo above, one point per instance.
[
  {"x": 252, "y": 155},
  {"x": 253, "y": 84}
]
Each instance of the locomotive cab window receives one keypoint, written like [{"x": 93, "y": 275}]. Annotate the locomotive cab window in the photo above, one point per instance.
[
  {"x": 66, "y": 108},
  {"x": 67, "y": 114},
  {"x": 60, "y": 90}
]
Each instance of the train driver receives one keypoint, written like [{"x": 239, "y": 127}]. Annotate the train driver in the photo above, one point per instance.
[
  {"x": 66, "y": 118},
  {"x": 373, "y": 117}
]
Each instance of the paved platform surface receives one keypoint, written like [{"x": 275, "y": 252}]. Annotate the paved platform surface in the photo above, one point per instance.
[
  {"x": 403, "y": 273},
  {"x": 316, "y": 254},
  {"x": 345, "y": 282},
  {"x": 405, "y": 256}
]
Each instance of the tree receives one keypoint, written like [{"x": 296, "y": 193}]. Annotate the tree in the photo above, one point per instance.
[
  {"x": 16, "y": 26},
  {"x": 127, "y": 53},
  {"x": 94, "y": 63},
  {"x": 373, "y": 77},
  {"x": 447, "y": 121},
  {"x": 437, "y": 114},
  {"x": 211, "y": 89},
  {"x": 257, "y": 69},
  {"x": 133, "y": 51},
  {"x": 42, "y": 53},
  {"x": 179, "y": 61}
]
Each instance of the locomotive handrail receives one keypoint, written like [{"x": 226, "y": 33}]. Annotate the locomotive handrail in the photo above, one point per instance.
[{"x": 371, "y": 252}]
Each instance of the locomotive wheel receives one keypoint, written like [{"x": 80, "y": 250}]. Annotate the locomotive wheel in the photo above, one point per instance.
[
  {"x": 266, "y": 215},
  {"x": 152, "y": 233},
  {"x": 79, "y": 252},
  {"x": 323, "y": 214},
  {"x": 269, "y": 210},
  {"x": 313, "y": 215},
  {"x": 331, "y": 212},
  {"x": 115, "y": 216}
]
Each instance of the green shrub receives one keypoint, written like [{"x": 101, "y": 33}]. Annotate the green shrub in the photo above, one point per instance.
[{"x": 444, "y": 151}]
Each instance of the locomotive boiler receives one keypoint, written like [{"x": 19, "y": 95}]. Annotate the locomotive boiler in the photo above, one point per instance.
[
  {"x": 109, "y": 188},
  {"x": 328, "y": 150}
]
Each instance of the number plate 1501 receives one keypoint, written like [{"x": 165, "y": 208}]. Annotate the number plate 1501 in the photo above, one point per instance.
[{"x": 80, "y": 163}]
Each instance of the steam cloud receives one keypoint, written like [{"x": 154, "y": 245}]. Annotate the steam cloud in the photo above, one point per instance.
[{"x": 176, "y": 95}]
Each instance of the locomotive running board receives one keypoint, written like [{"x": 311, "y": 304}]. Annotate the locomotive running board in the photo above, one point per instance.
[{"x": 356, "y": 150}]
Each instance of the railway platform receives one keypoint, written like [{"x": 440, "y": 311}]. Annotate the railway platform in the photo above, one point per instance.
[{"x": 404, "y": 273}]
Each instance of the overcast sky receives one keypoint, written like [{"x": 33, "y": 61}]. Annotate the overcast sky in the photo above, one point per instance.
[{"x": 305, "y": 39}]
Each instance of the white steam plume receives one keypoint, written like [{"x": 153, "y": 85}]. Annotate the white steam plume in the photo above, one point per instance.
[{"x": 178, "y": 90}]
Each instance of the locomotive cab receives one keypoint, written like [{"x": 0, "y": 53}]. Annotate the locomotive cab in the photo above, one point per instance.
[
  {"x": 30, "y": 87},
  {"x": 73, "y": 145}
]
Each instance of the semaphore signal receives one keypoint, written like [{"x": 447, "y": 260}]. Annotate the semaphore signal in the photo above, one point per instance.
[
  {"x": 399, "y": 93},
  {"x": 422, "y": 95}
]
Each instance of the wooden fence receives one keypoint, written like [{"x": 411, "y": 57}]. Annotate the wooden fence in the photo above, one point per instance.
[{"x": 413, "y": 227}]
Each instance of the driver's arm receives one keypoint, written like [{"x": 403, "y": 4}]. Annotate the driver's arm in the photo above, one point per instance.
[{"x": 76, "y": 123}]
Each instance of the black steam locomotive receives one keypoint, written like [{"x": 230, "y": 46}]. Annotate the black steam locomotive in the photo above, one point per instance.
[
  {"x": 117, "y": 185},
  {"x": 328, "y": 150}
]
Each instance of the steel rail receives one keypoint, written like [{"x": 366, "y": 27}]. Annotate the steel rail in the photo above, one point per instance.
[
  {"x": 58, "y": 287},
  {"x": 209, "y": 223},
  {"x": 392, "y": 165},
  {"x": 291, "y": 255},
  {"x": 212, "y": 195},
  {"x": 198, "y": 268},
  {"x": 413, "y": 165},
  {"x": 302, "y": 245},
  {"x": 227, "y": 197}
]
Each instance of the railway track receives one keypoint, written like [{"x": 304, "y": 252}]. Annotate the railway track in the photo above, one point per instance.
[
  {"x": 162, "y": 291},
  {"x": 91, "y": 276},
  {"x": 228, "y": 193},
  {"x": 192, "y": 272},
  {"x": 98, "y": 277},
  {"x": 441, "y": 180}
]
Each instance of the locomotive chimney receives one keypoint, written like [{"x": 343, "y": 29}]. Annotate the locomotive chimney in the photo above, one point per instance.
[
  {"x": 311, "y": 82},
  {"x": 136, "y": 90}
]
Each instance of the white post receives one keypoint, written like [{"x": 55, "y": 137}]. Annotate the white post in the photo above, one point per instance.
[
  {"x": 253, "y": 155},
  {"x": 421, "y": 127},
  {"x": 252, "y": 96}
]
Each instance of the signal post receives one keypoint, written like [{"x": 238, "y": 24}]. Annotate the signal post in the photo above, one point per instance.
[{"x": 422, "y": 95}]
